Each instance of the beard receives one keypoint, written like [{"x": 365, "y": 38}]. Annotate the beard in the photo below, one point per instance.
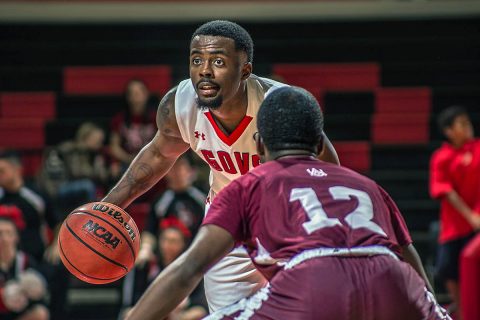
[{"x": 212, "y": 104}]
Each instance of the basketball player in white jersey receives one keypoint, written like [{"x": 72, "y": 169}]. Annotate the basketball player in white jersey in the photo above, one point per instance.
[{"x": 214, "y": 114}]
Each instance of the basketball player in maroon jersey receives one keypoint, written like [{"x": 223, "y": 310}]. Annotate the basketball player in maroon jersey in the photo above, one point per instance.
[{"x": 331, "y": 242}]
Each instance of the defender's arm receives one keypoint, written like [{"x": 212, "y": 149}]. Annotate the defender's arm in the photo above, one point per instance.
[{"x": 179, "y": 279}]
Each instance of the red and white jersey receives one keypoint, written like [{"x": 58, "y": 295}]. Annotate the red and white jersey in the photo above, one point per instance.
[
  {"x": 229, "y": 156},
  {"x": 287, "y": 206}
]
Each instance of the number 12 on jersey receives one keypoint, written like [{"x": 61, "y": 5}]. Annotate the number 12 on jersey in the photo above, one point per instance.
[{"x": 360, "y": 217}]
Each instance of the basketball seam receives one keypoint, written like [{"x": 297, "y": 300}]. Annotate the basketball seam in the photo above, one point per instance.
[
  {"x": 93, "y": 249},
  {"x": 120, "y": 232},
  {"x": 84, "y": 274}
]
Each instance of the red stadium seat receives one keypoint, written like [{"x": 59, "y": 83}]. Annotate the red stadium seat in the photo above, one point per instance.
[
  {"x": 112, "y": 80},
  {"x": 139, "y": 212},
  {"x": 400, "y": 128},
  {"x": 402, "y": 115},
  {"x": 27, "y": 105},
  {"x": 22, "y": 133},
  {"x": 470, "y": 280},
  {"x": 354, "y": 154},
  {"x": 31, "y": 162},
  {"x": 403, "y": 100},
  {"x": 331, "y": 77}
]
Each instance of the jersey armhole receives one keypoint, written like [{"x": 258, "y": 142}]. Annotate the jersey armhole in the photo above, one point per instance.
[{"x": 182, "y": 114}]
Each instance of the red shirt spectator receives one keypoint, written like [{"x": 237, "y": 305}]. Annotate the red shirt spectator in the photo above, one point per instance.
[{"x": 456, "y": 169}]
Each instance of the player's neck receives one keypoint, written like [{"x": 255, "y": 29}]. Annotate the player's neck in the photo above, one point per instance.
[
  {"x": 232, "y": 112},
  {"x": 14, "y": 186},
  {"x": 282, "y": 154},
  {"x": 459, "y": 143}
]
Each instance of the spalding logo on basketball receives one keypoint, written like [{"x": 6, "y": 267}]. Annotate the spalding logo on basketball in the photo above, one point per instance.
[{"x": 98, "y": 242}]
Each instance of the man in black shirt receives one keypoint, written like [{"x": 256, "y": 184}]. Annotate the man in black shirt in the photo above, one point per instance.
[
  {"x": 23, "y": 203},
  {"x": 181, "y": 200}
]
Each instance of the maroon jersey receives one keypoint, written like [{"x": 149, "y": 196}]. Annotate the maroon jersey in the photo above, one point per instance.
[{"x": 293, "y": 204}]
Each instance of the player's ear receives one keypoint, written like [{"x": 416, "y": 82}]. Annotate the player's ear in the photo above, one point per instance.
[
  {"x": 448, "y": 132},
  {"x": 320, "y": 145},
  {"x": 246, "y": 70},
  {"x": 259, "y": 144}
]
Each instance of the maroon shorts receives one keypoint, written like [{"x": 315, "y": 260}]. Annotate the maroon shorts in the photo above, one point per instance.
[{"x": 375, "y": 287}]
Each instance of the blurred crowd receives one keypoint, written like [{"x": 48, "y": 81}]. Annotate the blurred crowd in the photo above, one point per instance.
[{"x": 33, "y": 282}]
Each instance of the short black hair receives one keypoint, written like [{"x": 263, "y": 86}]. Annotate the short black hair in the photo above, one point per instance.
[
  {"x": 6, "y": 219},
  {"x": 446, "y": 118},
  {"x": 10, "y": 156},
  {"x": 290, "y": 118},
  {"x": 223, "y": 28}
]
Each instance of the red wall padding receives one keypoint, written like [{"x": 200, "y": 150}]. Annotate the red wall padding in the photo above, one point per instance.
[
  {"x": 27, "y": 105},
  {"x": 403, "y": 100},
  {"x": 139, "y": 212},
  {"x": 31, "y": 162},
  {"x": 400, "y": 128},
  {"x": 112, "y": 80},
  {"x": 332, "y": 77},
  {"x": 22, "y": 133},
  {"x": 470, "y": 280},
  {"x": 354, "y": 154}
]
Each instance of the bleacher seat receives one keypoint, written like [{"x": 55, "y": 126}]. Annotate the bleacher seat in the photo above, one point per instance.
[
  {"x": 331, "y": 76},
  {"x": 27, "y": 105},
  {"x": 139, "y": 212},
  {"x": 400, "y": 128},
  {"x": 402, "y": 116},
  {"x": 22, "y": 133},
  {"x": 112, "y": 80},
  {"x": 403, "y": 100},
  {"x": 354, "y": 154},
  {"x": 31, "y": 162}
]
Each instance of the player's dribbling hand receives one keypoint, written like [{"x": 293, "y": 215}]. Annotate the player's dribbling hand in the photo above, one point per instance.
[
  {"x": 14, "y": 297},
  {"x": 33, "y": 284}
]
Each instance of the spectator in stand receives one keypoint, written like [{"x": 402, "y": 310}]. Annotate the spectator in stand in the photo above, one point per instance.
[
  {"x": 455, "y": 181},
  {"x": 72, "y": 174},
  {"x": 34, "y": 214},
  {"x": 22, "y": 289},
  {"x": 134, "y": 127},
  {"x": 181, "y": 200},
  {"x": 28, "y": 207},
  {"x": 74, "y": 171},
  {"x": 173, "y": 240}
]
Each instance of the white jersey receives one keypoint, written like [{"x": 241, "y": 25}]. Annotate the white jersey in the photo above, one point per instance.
[{"x": 229, "y": 157}]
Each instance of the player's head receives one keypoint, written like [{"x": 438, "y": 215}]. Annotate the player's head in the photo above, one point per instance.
[
  {"x": 136, "y": 96},
  {"x": 173, "y": 239},
  {"x": 10, "y": 171},
  {"x": 221, "y": 55},
  {"x": 181, "y": 175},
  {"x": 8, "y": 235},
  {"x": 289, "y": 121},
  {"x": 90, "y": 136},
  {"x": 455, "y": 124}
]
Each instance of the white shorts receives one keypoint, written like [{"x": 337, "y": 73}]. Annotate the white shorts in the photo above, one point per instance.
[{"x": 232, "y": 279}]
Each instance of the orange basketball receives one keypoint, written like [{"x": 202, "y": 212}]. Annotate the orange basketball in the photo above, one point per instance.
[{"x": 98, "y": 242}]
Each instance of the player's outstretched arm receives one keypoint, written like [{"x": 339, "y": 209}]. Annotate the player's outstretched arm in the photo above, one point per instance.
[
  {"x": 179, "y": 279},
  {"x": 154, "y": 160},
  {"x": 328, "y": 154}
]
